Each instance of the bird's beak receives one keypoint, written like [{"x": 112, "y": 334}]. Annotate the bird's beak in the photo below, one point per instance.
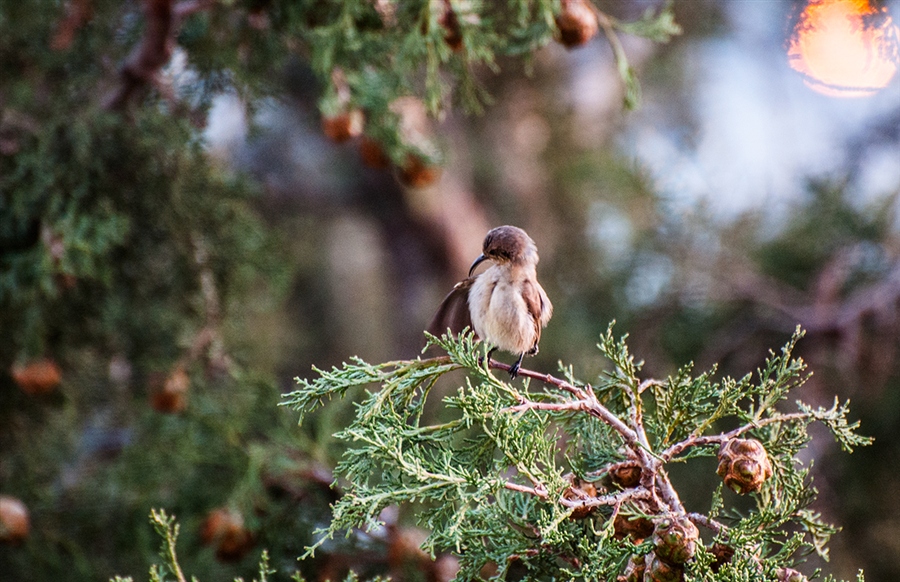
[{"x": 476, "y": 263}]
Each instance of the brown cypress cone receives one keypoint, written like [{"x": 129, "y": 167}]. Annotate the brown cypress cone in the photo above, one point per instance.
[
  {"x": 577, "y": 491},
  {"x": 450, "y": 23},
  {"x": 638, "y": 528},
  {"x": 634, "y": 570},
  {"x": 343, "y": 126},
  {"x": 372, "y": 154},
  {"x": 790, "y": 575},
  {"x": 723, "y": 555},
  {"x": 675, "y": 539},
  {"x": 37, "y": 377},
  {"x": 14, "y": 521},
  {"x": 627, "y": 476},
  {"x": 576, "y": 22},
  {"x": 224, "y": 529},
  {"x": 743, "y": 465},
  {"x": 658, "y": 570},
  {"x": 171, "y": 396},
  {"x": 416, "y": 173}
]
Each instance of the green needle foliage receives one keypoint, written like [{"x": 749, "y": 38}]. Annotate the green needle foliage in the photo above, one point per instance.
[
  {"x": 530, "y": 481},
  {"x": 167, "y": 529}
]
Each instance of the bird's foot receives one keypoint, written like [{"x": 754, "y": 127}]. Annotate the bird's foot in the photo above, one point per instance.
[
  {"x": 514, "y": 370},
  {"x": 486, "y": 360}
]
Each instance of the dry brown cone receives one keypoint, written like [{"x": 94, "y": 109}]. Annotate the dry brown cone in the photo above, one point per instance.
[
  {"x": 723, "y": 555},
  {"x": 638, "y": 528},
  {"x": 372, "y": 154},
  {"x": 14, "y": 521},
  {"x": 416, "y": 134},
  {"x": 743, "y": 465},
  {"x": 658, "y": 570},
  {"x": 37, "y": 377},
  {"x": 224, "y": 529},
  {"x": 579, "y": 490},
  {"x": 489, "y": 570},
  {"x": 627, "y": 476},
  {"x": 577, "y": 23},
  {"x": 634, "y": 570},
  {"x": 790, "y": 575},
  {"x": 171, "y": 396},
  {"x": 676, "y": 539},
  {"x": 416, "y": 173},
  {"x": 450, "y": 23},
  {"x": 343, "y": 126}
]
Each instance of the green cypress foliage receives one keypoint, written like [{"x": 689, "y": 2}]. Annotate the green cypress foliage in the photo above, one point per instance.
[{"x": 501, "y": 477}]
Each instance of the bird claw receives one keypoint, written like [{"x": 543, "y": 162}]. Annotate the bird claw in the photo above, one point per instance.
[
  {"x": 485, "y": 361},
  {"x": 514, "y": 370}
]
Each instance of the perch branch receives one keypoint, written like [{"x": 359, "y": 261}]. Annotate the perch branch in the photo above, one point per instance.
[{"x": 635, "y": 439}]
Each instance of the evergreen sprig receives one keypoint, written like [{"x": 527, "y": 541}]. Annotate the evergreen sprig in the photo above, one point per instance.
[
  {"x": 166, "y": 528},
  {"x": 507, "y": 474}
]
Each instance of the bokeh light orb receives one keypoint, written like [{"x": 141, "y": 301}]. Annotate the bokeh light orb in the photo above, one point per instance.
[{"x": 844, "y": 48}]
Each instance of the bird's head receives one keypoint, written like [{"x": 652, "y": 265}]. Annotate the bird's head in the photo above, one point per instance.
[{"x": 507, "y": 244}]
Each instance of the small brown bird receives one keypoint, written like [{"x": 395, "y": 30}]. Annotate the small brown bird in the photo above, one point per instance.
[{"x": 505, "y": 305}]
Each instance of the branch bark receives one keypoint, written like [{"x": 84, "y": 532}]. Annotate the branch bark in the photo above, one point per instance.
[
  {"x": 148, "y": 57},
  {"x": 653, "y": 479}
]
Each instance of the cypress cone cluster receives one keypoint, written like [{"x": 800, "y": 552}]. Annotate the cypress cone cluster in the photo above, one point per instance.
[{"x": 675, "y": 540}]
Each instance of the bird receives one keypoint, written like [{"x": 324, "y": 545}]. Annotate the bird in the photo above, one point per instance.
[{"x": 504, "y": 305}]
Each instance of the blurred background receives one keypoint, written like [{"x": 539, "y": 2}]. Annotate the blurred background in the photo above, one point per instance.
[{"x": 156, "y": 301}]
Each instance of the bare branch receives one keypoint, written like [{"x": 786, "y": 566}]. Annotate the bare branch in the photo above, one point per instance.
[
  {"x": 576, "y": 391},
  {"x": 648, "y": 383},
  {"x": 612, "y": 499},
  {"x": 538, "y": 491},
  {"x": 707, "y": 522},
  {"x": 186, "y": 8},
  {"x": 576, "y": 405},
  {"x": 78, "y": 13},
  {"x": 653, "y": 478},
  {"x": 148, "y": 57},
  {"x": 699, "y": 441}
]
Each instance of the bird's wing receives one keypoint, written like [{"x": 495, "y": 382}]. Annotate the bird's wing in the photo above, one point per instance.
[
  {"x": 546, "y": 306},
  {"x": 453, "y": 313},
  {"x": 538, "y": 305}
]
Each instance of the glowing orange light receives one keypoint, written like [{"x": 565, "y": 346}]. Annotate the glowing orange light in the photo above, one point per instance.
[{"x": 844, "y": 48}]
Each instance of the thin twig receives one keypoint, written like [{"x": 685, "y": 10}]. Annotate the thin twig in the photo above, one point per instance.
[
  {"x": 545, "y": 378},
  {"x": 648, "y": 383},
  {"x": 635, "y": 439},
  {"x": 718, "y": 439},
  {"x": 613, "y": 499},
  {"x": 590, "y": 402},
  {"x": 667, "y": 491},
  {"x": 150, "y": 54},
  {"x": 539, "y": 491},
  {"x": 186, "y": 8},
  {"x": 707, "y": 522},
  {"x": 554, "y": 406}
]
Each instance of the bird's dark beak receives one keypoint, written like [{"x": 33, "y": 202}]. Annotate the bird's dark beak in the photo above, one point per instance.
[{"x": 476, "y": 263}]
